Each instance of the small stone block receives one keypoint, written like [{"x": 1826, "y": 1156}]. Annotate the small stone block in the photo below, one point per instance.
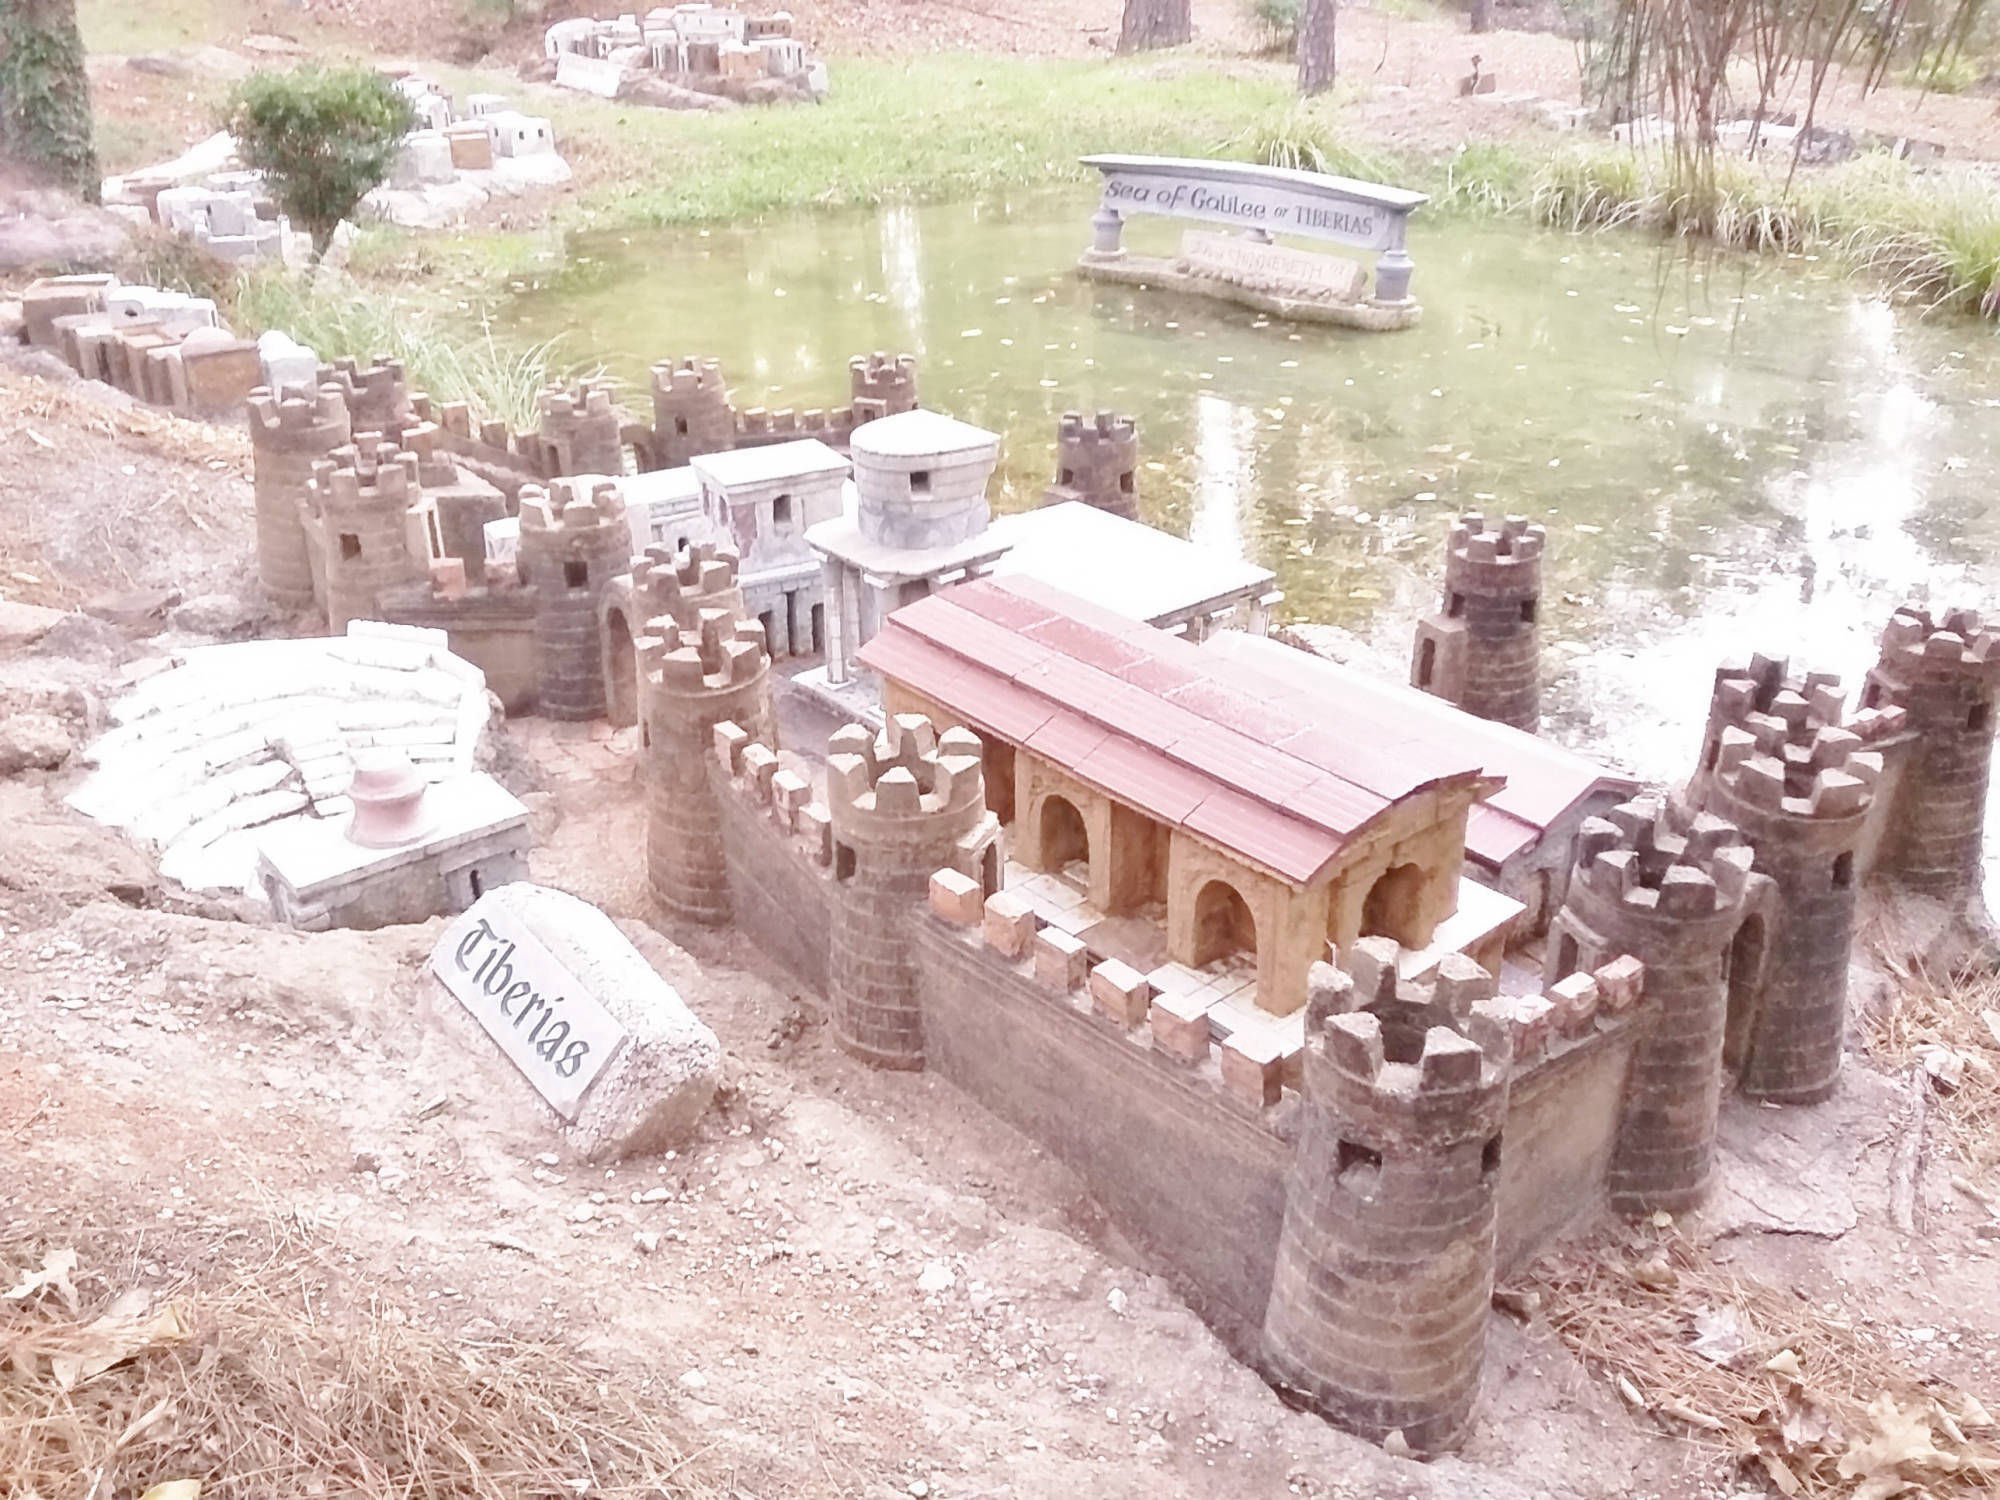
[
  {"x": 1531, "y": 1019},
  {"x": 1010, "y": 924},
  {"x": 815, "y": 823},
  {"x": 760, "y": 764},
  {"x": 789, "y": 793},
  {"x": 1180, "y": 1027},
  {"x": 1620, "y": 984},
  {"x": 730, "y": 740},
  {"x": 1575, "y": 1001},
  {"x": 955, "y": 897},
  {"x": 1120, "y": 992},
  {"x": 448, "y": 577},
  {"x": 1253, "y": 1069},
  {"x": 1061, "y": 960}
]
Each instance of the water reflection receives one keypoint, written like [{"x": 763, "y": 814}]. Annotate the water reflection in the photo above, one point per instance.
[{"x": 1734, "y": 455}]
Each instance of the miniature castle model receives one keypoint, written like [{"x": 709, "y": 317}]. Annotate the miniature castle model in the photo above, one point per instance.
[
  {"x": 164, "y": 348},
  {"x": 1097, "y": 462},
  {"x": 752, "y": 59}
]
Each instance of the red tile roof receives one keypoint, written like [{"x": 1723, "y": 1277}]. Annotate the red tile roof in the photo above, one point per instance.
[{"x": 1159, "y": 723}]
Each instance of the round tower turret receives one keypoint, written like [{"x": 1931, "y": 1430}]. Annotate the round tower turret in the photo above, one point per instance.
[
  {"x": 1678, "y": 901},
  {"x": 903, "y": 803},
  {"x": 287, "y": 437},
  {"x": 691, "y": 679},
  {"x": 581, "y": 431},
  {"x": 691, "y": 412},
  {"x": 377, "y": 394},
  {"x": 362, "y": 499},
  {"x": 1377, "y": 1316},
  {"x": 1776, "y": 763},
  {"x": 1097, "y": 462},
  {"x": 882, "y": 386},
  {"x": 1482, "y": 651},
  {"x": 920, "y": 479},
  {"x": 572, "y": 547},
  {"x": 1941, "y": 670}
]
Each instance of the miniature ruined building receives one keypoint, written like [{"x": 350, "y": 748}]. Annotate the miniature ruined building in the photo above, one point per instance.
[
  {"x": 163, "y": 347},
  {"x": 696, "y": 45},
  {"x": 1303, "y": 1174},
  {"x": 762, "y": 502},
  {"x": 1482, "y": 650}
]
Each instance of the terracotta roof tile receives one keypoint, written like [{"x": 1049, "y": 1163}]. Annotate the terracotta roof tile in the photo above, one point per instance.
[
  {"x": 1067, "y": 738},
  {"x": 1145, "y": 778},
  {"x": 1293, "y": 848}
]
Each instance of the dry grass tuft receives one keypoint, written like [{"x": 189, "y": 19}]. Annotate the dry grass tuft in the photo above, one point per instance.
[
  {"x": 1805, "y": 1398},
  {"x": 271, "y": 1383},
  {"x": 1950, "y": 1029}
]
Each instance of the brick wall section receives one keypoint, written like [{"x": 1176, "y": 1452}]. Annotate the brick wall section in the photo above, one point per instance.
[
  {"x": 1195, "y": 1180},
  {"x": 287, "y": 438},
  {"x": 1777, "y": 764},
  {"x": 779, "y": 848},
  {"x": 1942, "y": 671},
  {"x": 904, "y": 804},
  {"x": 1674, "y": 899}
]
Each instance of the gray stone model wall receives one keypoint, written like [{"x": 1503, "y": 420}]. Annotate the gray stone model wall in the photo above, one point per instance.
[
  {"x": 1777, "y": 764},
  {"x": 495, "y": 631},
  {"x": 905, "y": 804},
  {"x": 1677, "y": 900},
  {"x": 287, "y": 437},
  {"x": 1942, "y": 672},
  {"x": 1197, "y": 1183}
]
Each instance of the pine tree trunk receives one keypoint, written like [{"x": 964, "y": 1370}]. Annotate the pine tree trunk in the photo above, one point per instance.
[
  {"x": 45, "y": 127},
  {"x": 1149, "y": 24},
  {"x": 1316, "y": 49},
  {"x": 1482, "y": 15}
]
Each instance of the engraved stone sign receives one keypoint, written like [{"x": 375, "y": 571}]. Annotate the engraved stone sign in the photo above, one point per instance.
[
  {"x": 550, "y": 1028},
  {"x": 1274, "y": 268},
  {"x": 590, "y": 75}
]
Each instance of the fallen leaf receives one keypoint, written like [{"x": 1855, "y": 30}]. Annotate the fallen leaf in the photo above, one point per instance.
[
  {"x": 1900, "y": 1443},
  {"x": 1945, "y": 1066},
  {"x": 1785, "y": 1363},
  {"x": 174, "y": 1489},
  {"x": 1720, "y": 1334},
  {"x": 115, "y": 1338},
  {"x": 1786, "y": 1481},
  {"x": 54, "y": 1274},
  {"x": 1655, "y": 1274}
]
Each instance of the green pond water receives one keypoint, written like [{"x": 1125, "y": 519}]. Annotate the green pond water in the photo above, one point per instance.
[{"x": 1730, "y": 455}]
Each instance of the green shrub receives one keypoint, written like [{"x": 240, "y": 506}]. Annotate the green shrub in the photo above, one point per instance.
[
  {"x": 322, "y": 137},
  {"x": 1276, "y": 23}
]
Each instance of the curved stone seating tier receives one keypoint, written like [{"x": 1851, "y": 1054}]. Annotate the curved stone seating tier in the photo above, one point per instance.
[{"x": 203, "y": 756}]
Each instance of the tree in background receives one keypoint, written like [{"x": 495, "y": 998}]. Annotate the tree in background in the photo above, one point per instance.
[
  {"x": 322, "y": 137},
  {"x": 45, "y": 94},
  {"x": 1155, "y": 23},
  {"x": 1316, "y": 46}
]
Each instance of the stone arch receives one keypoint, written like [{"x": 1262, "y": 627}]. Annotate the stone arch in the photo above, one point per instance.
[
  {"x": 1743, "y": 968},
  {"x": 1223, "y": 923},
  {"x": 621, "y": 669},
  {"x": 1065, "y": 839},
  {"x": 1393, "y": 906}
]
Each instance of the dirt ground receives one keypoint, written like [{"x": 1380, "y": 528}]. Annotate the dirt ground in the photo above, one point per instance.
[{"x": 853, "y": 1284}]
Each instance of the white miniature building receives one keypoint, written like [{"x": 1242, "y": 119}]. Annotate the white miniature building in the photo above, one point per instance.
[
  {"x": 761, "y": 502},
  {"x": 516, "y": 134}
]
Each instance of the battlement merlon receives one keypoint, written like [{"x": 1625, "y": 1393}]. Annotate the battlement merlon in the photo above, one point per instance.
[
  {"x": 1828, "y": 779},
  {"x": 1499, "y": 557},
  {"x": 722, "y": 653},
  {"x": 391, "y": 479},
  {"x": 383, "y": 381},
  {"x": 680, "y": 583},
  {"x": 755, "y": 774},
  {"x": 274, "y": 419},
  {"x": 590, "y": 399},
  {"x": 689, "y": 376},
  {"x": 906, "y": 772},
  {"x": 884, "y": 378},
  {"x": 1918, "y": 647},
  {"x": 565, "y": 507},
  {"x": 1106, "y": 428},
  {"x": 1631, "y": 858}
]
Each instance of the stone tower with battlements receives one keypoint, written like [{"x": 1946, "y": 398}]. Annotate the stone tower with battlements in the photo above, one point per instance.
[
  {"x": 1377, "y": 1315},
  {"x": 572, "y": 547},
  {"x": 365, "y": 504},
  {"x": 904, "y": 804},
  {"x": 691, "y": 412},
  {"x": 1097, "y": 462},
  {"x": 1677, "y": 899},
  {"x": 1777, "y": 763},
  {"x": 881, "y": 386},
  {"x": 690, "y": 680},
  {"x": 581, "y": 431},
  {"x": 663, "y": 584},
  {"x": 1941, "y": 670},
  {"x": 1483, "y": 649},
  {"x": 377, "y": 395},
  {"x": 288, "y": 435}
]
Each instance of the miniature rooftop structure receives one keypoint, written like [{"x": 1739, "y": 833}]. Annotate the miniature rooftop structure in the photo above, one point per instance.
[
  {"x": 1521, "y": 838},
  {"x": 1141, "y": 757}
]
